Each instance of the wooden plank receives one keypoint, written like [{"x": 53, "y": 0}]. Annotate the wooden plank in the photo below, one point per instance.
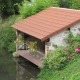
[{"x": 36, "y": 59}]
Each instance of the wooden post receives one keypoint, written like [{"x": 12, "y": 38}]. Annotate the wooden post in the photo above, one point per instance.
[
  {"x": 46, "y": 48},
  {"x": 15, "y": 54},
  {"x": 17, "y": 34}
]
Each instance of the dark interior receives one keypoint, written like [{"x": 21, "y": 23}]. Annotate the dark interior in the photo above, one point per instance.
[{"x": 41, "y": 45}]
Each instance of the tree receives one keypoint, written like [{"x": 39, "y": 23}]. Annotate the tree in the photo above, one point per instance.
[
  {"x": 75, "y": 4},
  {"x": 64, "y": 3},
  {"x": 7, "y": 6}
]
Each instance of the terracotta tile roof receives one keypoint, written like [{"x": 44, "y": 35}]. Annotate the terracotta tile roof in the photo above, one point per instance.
[{"x": 48, "y": 22}]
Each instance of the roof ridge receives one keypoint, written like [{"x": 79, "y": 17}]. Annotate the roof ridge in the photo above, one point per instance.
[{"x": 65, "y": 8}]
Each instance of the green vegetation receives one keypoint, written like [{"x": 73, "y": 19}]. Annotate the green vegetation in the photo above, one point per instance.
[
  {"x": 66, "y": 73},
  {"x": 75, "y": 76},
  {"x": 33, "y": 46},
  {"x": 56, "y": 59},
  {"x": 28, "y": 9},
  {"x": 8, "y": 34},
  {"x": 7, "y": 7},
  {"x": 74, "y": 4}
]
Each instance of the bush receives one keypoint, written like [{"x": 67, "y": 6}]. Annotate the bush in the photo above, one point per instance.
[
  {"x": 73, "y": 41},
  {"x": 27, "y": 9},
  {"x": 56, "y": 59},
  {"x": 75, "y": 4}
]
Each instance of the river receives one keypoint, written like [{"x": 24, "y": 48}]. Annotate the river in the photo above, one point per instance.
[{"x": 16, "y": 68}]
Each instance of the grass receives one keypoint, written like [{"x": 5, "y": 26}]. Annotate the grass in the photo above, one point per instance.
[
  {"x": 9, "y": 20},
  {"x": 8, "y": 34},
  {"x": 73, "y": 67}
]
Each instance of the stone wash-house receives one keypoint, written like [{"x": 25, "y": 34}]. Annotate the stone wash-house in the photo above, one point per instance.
[{"x": 45, "y": 30}]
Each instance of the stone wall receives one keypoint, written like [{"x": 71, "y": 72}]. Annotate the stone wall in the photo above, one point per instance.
[
  {"x": 59, "y": 38},
  {"x": 75, "y": 29}
]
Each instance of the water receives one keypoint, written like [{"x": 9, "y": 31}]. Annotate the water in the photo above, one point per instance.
[{"x": 16, "y": 68}]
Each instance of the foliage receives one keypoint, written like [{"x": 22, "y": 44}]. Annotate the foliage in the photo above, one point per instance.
[
  {"x": 75, "y": 4},
  {"x": 20, "y": 39},
  {"x": 33, "y": 46},
  {"x": 28, "y": 9},
  {"x": 74, "y": 42},
  {"x": 7, "y": 6},
  {"x": 75, "y": 76},
  {"x": 71, "y": 68},
  {"x": 7, "y": 35},
  {"x": 64, "y": 3},
  {"x": 56, "y": 59},
  {"x": 25, "y": 9}
]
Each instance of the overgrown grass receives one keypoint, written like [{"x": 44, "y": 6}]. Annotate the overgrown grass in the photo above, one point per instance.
[{"x": 8, "y": 34}]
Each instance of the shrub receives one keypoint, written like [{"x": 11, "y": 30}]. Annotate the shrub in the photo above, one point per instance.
[
  {"x": 75, "y": 4},
  {"x": 56, "y": 59},
  {"x": 27, "y": 9}
]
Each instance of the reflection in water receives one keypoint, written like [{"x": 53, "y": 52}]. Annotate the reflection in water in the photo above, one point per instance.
[
  {"x": 25, "y": 69},
  {"x": 7, "y": 66},
  {"x": 22, "y": 74},
  {"x": 21, "y": 69}
]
